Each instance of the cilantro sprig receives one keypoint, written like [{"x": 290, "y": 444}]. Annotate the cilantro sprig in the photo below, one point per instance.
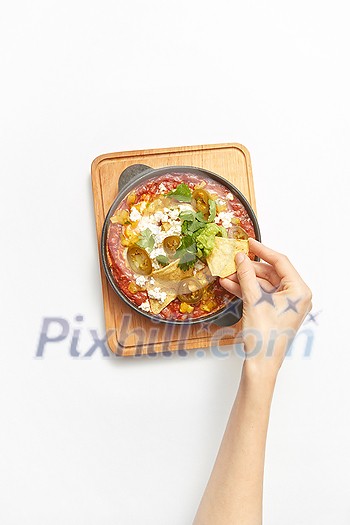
[
  {"x": 182, "y": 193},
  {"x": 146, "y": 240},
  {"x": 199, "y": 234},
  {"x": 186, "y": 252},
  {"x": 163, "y": 260}
]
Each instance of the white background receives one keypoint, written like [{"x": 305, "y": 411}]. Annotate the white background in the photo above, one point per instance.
[{"x": 132, "y": 441}]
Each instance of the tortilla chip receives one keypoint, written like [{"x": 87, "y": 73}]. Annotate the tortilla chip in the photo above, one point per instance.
[
  {"x": 221, "y": 260},
  {"x": 157, "y": 306},
  {"x": 167, "y": 280},
  {"x": 171, "y": 272}
]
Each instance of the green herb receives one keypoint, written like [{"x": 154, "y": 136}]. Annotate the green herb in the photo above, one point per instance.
[
  {"x": 162, "y": 259},
  {"x": 192, "y": 222},
  {"x": 199, "y": 235},
  {"x": 186, "y": 252},
  {"x": 212, "y": 210},
  {"x": 181, "y": 193},
  {"x": 147, "y": 239}
]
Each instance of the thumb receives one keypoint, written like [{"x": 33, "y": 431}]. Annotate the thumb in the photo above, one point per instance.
[{"x": 247, "y": 278}]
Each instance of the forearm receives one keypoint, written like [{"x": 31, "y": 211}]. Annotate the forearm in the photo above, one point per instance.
[{"x": 234, "y": 492}]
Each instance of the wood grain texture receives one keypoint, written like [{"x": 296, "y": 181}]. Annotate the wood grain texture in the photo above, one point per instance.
[{"x": 128, "y": 332}]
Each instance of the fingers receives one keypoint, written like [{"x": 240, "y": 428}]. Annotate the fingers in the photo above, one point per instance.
[
  {"x": 280, "y": 262},
  {"x": 262, "y": 271},
  {"x": 247, "y": 278},
  {"x": 234, "y": 288},
  {"x": 231, "y": 287}
]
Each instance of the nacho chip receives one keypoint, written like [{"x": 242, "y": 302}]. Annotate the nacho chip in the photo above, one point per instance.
[
  {"x": 165, "y": 285},
  {"x": 157, "y": 305},
  {"x": 171, "y": 272},
  {"x": 221, "y": 260}
]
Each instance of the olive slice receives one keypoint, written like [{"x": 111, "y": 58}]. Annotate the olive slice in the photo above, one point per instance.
[
  {"x": 139, "y": 260},
  {"x": 190, "y": 291},
  {"x": 201, "y": 198},
  {"x": 171, "y": 244}
]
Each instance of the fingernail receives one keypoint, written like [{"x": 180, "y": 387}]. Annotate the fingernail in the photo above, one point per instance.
[{"x": 240, "y": 256}]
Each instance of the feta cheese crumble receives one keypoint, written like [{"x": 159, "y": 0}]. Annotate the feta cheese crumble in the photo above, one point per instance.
[
  {"x": 157, "y": 251},
  {"x": 157, "y": 294},
  {"x": 230, "y": 196},
  {"x": 225, "y": 217},
  {"x": 160, "y": 216},
  {"x": 162, "y": 188},
  {"x": 135, "y": 215},
  {"x": 145, "y": 306},
  {"x": 141, "y": 280},
  {"x": 173, "y": 214}
]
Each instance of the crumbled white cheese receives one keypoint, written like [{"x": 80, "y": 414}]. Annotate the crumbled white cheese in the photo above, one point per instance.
[
  {"x": 220, "y": 201},
  {"x": 162, "y": 188},
  {"x": 151, "y": 280},
  {"x": 157, "y": 251},
  {"x": 135, "y": 215},
  {"x": 175, "y": 228},
  {"x": 145, "y": 306},
  {"x": 150, "y": 223},
  {"x": 141, "y": 280},
  {"x": 225, "y": 217},
  {"x": 159, "y": 237},
  {"x": 173, "y": 214},
  {"x": 159, "y": 216},
  {"x": 230, "y": 196},
  {"x": 157, "y": 294}
]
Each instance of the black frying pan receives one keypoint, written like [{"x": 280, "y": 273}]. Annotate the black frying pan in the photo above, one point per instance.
[{"x": 132, "y": 177}]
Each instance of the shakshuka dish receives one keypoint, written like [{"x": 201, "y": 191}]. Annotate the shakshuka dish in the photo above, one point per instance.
[{"x": 169, "y": 241}]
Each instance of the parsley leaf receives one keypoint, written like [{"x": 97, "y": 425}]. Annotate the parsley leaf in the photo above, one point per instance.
[
  {"x": 162, "y": 259},
  {"x": 186, "y": 252},
  {"x": 182, "y": 193},
  {"x": 192, "y": 222},
  {"x": 147, "y": 239}
]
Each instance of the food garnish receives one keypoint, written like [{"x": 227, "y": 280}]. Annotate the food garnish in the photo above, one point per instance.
[
  {"x": 139, "y": 260},
  {"x": 171, "y": 244},
  {"x": 190, "y": 291},
  {"x": 146, "y": 240},
  {"x": 182, "y": 193}
]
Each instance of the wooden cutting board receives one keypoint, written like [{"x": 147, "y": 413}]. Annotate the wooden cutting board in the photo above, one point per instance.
[{"x": 130, "y": 333}]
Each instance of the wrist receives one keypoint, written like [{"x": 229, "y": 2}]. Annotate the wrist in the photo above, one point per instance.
[{"x": 260, "y": 374}]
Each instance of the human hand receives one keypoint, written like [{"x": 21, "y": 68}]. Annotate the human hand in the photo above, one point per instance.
[{"x": 275, "y": 302}]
